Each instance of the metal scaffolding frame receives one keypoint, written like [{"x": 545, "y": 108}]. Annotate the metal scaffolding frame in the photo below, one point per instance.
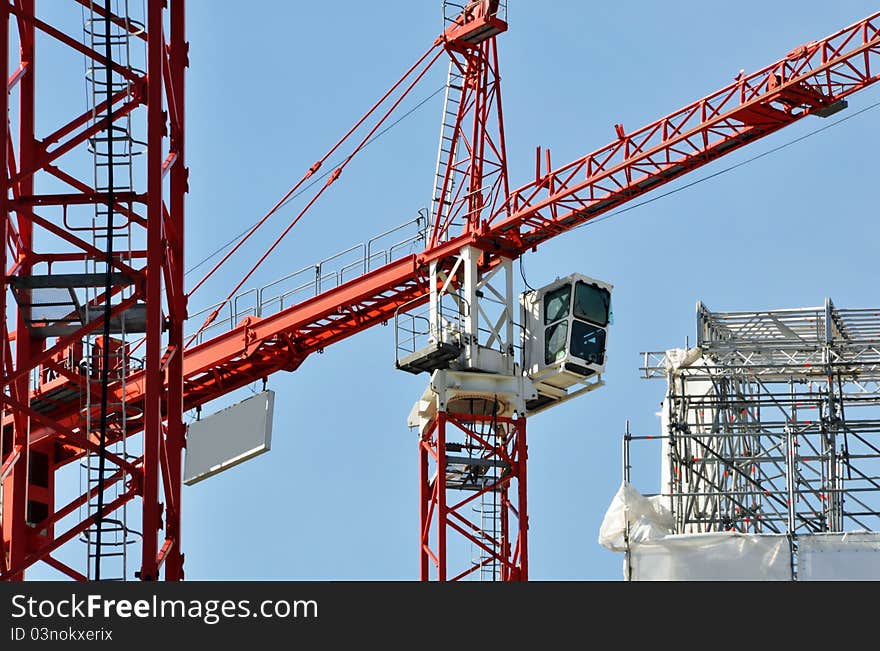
[{"x": 771, "y": 424}]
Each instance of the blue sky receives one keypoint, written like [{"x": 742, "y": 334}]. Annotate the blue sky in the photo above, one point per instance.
[{"x": 271, "y": 90}]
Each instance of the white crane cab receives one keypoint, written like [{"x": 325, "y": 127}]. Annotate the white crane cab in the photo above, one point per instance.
[{"x": 565, "y": 336}]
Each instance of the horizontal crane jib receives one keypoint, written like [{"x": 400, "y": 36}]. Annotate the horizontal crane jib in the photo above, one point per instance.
[{"x": 810, "y": 80}]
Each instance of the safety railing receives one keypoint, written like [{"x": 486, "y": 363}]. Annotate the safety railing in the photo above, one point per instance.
[
  {"x": 314, "y": 279},
  {"x": 415, "y": 330},
  {"x": 452, "y": 10},
  {"x": 87, "y": 364}
]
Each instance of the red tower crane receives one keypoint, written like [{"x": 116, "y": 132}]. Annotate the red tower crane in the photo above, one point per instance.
[{"x": 59, "y": 351}]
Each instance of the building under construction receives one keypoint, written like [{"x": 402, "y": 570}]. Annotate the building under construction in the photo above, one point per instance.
[{"x": 769, "y": 450}]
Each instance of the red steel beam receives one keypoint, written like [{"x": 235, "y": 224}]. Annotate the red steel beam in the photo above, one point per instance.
[
  {"x": 65, "y": 569},
  {"x": 6, "y": 150},
  {"x": 261, "y": 347},
  {"x": 133, "y": 28},
  {"x": 153, "y": 377},
  {"x": 66, "y": 435},
  {"x": 171, "y": 556},
  {"x": 16, "y": 570},
  {"x": 26, "y": 346},
  {"x": 84, "y": 498},
  {"x": 441, "y": 513},
  {"x": 26, "y": 16},
  {"x": 85, "y": 188},
  {"x": 46, "y": 157}
]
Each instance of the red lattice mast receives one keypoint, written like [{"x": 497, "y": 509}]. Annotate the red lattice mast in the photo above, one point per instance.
[{"x": 44, "y": 426}]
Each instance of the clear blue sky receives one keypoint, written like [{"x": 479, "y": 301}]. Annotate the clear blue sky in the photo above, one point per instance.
[{"x": 270, "y": 90}]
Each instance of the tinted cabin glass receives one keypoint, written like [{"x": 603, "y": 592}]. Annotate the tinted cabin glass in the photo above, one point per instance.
[
  {"x": 555, "y": 339},
  {"x": 556, "y": 304},
  {"x": 588, "y": 342},
  {"x": 591, "y": 303}
]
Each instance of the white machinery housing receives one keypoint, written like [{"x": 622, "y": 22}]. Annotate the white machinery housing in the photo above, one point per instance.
[{"x": 565, "y": 337}]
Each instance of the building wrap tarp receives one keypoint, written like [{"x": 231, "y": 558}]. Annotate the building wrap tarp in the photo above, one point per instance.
[
  {"x": 853, "y": 556},
  {"x": 726, "y": 556},
  {"x": 635, "y": 518}
]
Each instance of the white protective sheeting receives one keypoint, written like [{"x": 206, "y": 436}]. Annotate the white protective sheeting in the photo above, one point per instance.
[
  {"x": 677, "y": 358},
  {"x": 724, "y": 556},
  {"x": 677, "y": 361},
  {"x": 853, "y": 556},
  {"x": 646, "y": 517}
]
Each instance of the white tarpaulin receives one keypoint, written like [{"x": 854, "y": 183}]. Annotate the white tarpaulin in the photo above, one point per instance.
[
  {"x": 853, "y": 556},
  {"x": 726, "y": 556},
  {"x": 677, "y": 358},
  {"x": 646, "y": 518}
]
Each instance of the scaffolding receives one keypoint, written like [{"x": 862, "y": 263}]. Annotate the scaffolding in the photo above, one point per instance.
[{"x": 771, "y": 423}]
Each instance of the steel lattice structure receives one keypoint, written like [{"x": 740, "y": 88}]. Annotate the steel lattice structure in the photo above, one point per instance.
[
  {"x": 43, "y": 394},
  {"x": 484, "y": 462},
  {"x": 772, "y": 423},
  {"x": 44, "y": 427}
]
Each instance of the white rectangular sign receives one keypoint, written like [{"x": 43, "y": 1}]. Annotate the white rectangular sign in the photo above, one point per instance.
[{"x": 229, "y": 437}]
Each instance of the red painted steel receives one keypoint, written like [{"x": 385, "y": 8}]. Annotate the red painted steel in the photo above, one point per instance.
[
  {"x": 554, "y": 203},
  {"x": 31, "y": 519},
  {"x": 175, "y": 438},
  {"x": 453, "y": 511},
  {"x": 474, "y": 173},
  {"x": 809, "y": 80}
]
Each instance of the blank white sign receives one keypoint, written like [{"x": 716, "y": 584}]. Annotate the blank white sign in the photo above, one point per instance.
[{"x": 229, "y": 437}]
